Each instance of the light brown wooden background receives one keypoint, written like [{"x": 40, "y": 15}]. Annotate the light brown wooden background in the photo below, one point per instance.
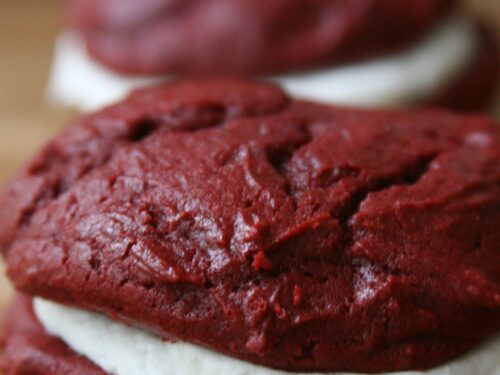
[{"x": 27, "y": 30}]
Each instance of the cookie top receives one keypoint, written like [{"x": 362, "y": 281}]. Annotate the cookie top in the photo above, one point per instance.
[
  {"x": 293, "y": 235},
  {"x": 246, "y": 36}
]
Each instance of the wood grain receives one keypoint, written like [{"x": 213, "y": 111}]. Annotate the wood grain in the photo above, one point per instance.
[{"x": 27, "y": 31}]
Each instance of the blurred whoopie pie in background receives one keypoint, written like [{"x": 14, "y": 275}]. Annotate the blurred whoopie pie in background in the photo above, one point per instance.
[{"x": 362, "y": 53}]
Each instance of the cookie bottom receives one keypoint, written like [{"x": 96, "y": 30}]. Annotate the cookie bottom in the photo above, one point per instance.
[
  {"x": 115, "y": 348},
  {"x": 454, "y": 55},
  {"x": 29, "y": 350}
]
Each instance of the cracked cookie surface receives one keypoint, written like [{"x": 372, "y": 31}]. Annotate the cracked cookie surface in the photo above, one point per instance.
[{"x": 293, "y": 235}]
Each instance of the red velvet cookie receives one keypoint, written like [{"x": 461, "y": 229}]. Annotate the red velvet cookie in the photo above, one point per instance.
[
  {"x": 29, "y": 350},
  {"x": 285, "y": 233},
  {"x": 246, "y": 36},
  {"x": 477, "y": 86}
]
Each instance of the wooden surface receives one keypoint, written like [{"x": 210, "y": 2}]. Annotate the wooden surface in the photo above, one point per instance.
[{"x": 27, "y": 30}]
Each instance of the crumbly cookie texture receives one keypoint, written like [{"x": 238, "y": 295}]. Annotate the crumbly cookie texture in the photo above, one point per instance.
[{"x": 292, "y": 235}]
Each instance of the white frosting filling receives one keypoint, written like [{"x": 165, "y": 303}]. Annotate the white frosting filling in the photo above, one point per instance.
[
  {"x": 122, "y": 350},
  {"x": 416, "y": 73}
]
